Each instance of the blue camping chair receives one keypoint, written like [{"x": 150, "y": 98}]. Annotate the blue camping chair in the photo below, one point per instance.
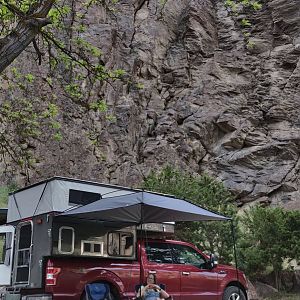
[{"x": 97, "y": 291}]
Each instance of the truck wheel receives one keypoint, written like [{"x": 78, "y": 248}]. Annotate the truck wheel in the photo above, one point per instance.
[
  {"x": 112, "y": 296},
  {"x": 233, "y": 293}
]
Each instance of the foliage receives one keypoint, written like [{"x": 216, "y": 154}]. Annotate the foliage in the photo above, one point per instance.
[
  {"x": 271, "y": 236},
  {"x": 242, "y": 8},
  {"x": 23, "y": 120},
  {"x": 214, "y": 236},
  {"x": 64, "y": 40},
  {"x": 73, "y": 66},
  {"x": 245, "y": 23},
  {"x": 250, "y": 44},
  {"x": 4, "y": 191}
]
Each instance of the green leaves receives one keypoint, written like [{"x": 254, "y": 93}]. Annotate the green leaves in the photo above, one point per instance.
[
  {"x": 99, "y": 105},
  {"x": 57, "y": 14},
  {"x": 238, "y": 10},
  {"x": 256, "y": 5},
  {"x": 4, "y": 191},
  {"x": 86, "y": 46},
  {"x": 271, "y": 236},
  {"x": 24, "y": 121},
  {"x": 204, "y": 191},
  {"x": 73, "y": 90},
  {"x": 266, "y": 236},
  {"x": 231, "y": 4},
  {"x": 29, "y": 78},
  {"x": 234, "y": 5},
  {"x": 245, "y": 23}
]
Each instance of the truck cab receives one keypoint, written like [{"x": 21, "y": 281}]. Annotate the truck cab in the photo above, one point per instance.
[{"x": 187, "y": 272}]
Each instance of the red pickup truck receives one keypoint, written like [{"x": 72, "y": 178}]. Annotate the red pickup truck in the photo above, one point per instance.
[
  {"x": 46, "y": 255},
  {"x": 185, "y": 271}
]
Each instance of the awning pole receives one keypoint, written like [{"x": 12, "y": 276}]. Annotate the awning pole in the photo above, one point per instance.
[
  {"x": 234, "y": 252},
  {"x": 141, "y": 241}
]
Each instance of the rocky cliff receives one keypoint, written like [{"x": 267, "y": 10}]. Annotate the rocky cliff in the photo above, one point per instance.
[{"x": 212, "y": 89}]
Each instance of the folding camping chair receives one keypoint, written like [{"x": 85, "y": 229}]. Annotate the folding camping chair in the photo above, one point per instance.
[{"x": 97, "y": 291}]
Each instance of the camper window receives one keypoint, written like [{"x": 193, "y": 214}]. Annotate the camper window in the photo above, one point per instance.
[
  {"x": 120, "y": 244},
  {"x": 66, "y": 240},
  {"x": 92, "y": 248},
  {"x": 82, "y": 197}
]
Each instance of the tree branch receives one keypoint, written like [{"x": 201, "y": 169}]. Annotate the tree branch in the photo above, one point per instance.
[
  {"x": 37, "y": 50},
  {"x": 24, "y": 33}
]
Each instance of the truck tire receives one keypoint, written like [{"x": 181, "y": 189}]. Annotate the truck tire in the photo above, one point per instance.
[{"x": 233, "y": 293}]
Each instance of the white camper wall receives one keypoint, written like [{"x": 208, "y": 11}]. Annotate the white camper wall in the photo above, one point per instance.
[{"x": 23, "y": 204}]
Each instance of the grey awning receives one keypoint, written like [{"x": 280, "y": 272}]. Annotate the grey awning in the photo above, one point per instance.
[{"x": 143, "y": 207}]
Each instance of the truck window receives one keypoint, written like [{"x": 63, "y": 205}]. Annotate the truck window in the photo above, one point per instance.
[
  {"x": 2, "y": 247},
  {"x": 5, "y": 242},
  {"x": 186, "y": 255},
  {"x": 66, "y": 240},
  {"x": 120, "y": 244},
  {"x": 159, "y": 253}
]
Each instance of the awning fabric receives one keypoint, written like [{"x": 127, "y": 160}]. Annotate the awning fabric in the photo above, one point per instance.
[{"x": 143, "y": 207}]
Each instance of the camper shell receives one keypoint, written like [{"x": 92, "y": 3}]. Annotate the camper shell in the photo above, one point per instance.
[{"x": 36, "y": 230}]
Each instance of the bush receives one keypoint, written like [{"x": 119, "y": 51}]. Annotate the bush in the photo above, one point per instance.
[
  {"x": 270, "y": 237},
  {"x": 4, "y": 191}
]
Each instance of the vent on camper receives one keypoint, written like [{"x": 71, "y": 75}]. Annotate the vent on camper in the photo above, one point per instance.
[{"x": 82, "y": 198}]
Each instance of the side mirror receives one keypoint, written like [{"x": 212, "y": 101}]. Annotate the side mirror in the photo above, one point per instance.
[{"x": 213, "y": 261}]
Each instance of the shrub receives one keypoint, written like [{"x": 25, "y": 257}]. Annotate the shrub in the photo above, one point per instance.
[{"x": 270, "y": 237}]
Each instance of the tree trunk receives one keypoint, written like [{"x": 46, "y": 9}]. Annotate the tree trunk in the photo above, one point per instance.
[{"x": 26, "y": 30}]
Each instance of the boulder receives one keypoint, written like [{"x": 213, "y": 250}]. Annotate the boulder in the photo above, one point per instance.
[{"x": 264, "y": 290}]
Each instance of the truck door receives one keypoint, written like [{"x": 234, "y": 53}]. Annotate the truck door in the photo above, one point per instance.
[
  {"x": 159, "y": 262},
  {"x": 197, "y": 281},
  {"x": 6, "y": 253}
]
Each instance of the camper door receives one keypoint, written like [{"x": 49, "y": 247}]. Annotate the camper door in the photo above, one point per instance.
[{"x": 6, "y": 253}]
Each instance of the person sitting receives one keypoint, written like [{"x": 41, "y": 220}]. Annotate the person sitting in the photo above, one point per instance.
[{"x": 152, "y": 291}]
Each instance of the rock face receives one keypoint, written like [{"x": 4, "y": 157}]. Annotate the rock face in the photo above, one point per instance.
[{"x": 207, "y": 99}]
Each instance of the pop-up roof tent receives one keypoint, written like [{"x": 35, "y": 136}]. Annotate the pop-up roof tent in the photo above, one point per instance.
[
  {"x": 88, "y": 200},
  {"x": 58, "y": 194}
]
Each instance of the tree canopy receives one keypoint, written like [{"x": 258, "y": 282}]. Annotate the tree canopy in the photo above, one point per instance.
[
  {"x": 40, "y": 22},
  {"x": 68, "y": 65},
  {"x": 204, "y": 190},
  {"x": 271, "y": 239}
]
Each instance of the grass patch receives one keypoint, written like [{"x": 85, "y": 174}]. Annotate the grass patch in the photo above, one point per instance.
[
  {"x": 284, "y": 296},
  {"x": 3, "y": 196}
]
